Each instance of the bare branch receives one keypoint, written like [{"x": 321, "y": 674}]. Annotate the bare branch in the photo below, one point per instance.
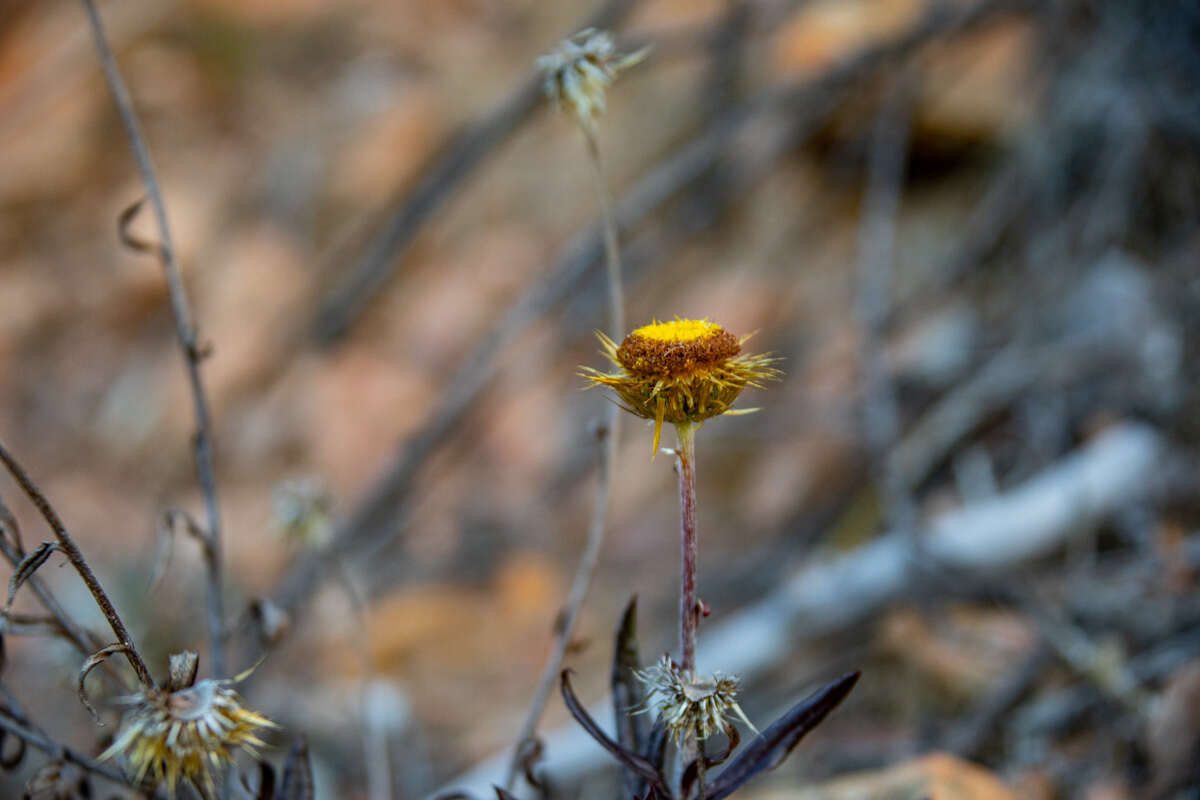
[
  {"x": 84, "y": 642},
  {"x": 184, "y": 329},
  {"x": 73, "y": 554}
]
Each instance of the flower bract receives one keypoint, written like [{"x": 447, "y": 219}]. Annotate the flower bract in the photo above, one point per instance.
[
  {"x": 682, "y": 371},
  {"x": 187, "y": 735}
]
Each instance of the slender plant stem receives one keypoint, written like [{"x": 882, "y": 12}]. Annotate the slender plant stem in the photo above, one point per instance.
[
  {"x": 185, "y": 332},
  {"x": 612, "y": 252},
  {"x": 685, "y": 455},
  {"x": 73, "y": 554},
  {"x": 689, "y": 607},
  {"x": 610, "y": 436}
]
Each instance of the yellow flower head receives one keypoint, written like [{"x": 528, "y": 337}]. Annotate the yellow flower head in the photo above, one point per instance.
[
  {"x": 186, "y": 733},
  {"x": 683, "y": 371},
  {"x": 578, "y": 71}
]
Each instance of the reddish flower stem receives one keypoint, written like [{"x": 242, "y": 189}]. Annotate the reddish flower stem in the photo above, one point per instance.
[{"x": 688, "y": 606}]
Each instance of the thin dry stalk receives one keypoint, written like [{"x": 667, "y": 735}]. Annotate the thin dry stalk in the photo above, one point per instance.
[
  {"x": 610, "y": 436},
  {"x": 185, "y": 332},
  {"x": 612, "y": 252},
  {"x": 14, "y": 552},
  {"x": 73, "y": 554}
]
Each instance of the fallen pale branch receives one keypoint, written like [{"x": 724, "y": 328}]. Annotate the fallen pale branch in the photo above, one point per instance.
[{"x": 1030, "y": 521}]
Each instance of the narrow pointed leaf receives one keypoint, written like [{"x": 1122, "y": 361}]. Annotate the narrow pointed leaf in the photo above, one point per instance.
[
  {"x": 768, "y": 750},
  {"x": 654, "y": 750},
  {"x": 627, "y": 695},
  {"x": 631, "y": 760},
  {"x": 656, "y": 747},
  {"x": 297, "y": 783},
  {"x": 24, "y": 571}
]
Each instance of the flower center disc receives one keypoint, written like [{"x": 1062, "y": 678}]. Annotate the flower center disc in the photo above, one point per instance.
[{"x": 677, "y": 348}]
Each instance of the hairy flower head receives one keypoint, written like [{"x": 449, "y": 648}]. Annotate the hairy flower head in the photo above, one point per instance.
[
  {"x": 682, "y": 371},
  {"x": 691, "y": 705},
  {"x": 186, "y": 734},
  {"x": 578, "y": 71}
]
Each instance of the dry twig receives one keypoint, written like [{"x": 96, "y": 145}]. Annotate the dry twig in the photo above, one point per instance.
[
  {"x": 185, "y": 332},
  {"x": 73, "y": 554},
  {"x": 14, "y": 552}
]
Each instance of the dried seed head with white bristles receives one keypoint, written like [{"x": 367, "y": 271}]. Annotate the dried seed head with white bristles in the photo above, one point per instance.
[
  {"x": 186, "y": 732},
  {"x": 691, "y": 705},
  {"x": 578, "y": 71}
]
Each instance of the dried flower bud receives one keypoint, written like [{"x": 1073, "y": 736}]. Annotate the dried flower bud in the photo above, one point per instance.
[
  {"x": 686, "y": 370},
  {"x": 182, "y": 735},
  {"x": 578, "y": 71},
  {"x": 182, "y": 670},
  {"x": 304, "y": 512},
  {"x": 691, "y": 705}
]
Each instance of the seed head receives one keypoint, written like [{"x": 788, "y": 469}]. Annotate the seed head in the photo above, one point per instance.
[
  {"x": 686, "y": 370},
  {"x": 578, "y": 71},
  {"x": 175, "y": 734},
  {"x": 691, "y": 705}
]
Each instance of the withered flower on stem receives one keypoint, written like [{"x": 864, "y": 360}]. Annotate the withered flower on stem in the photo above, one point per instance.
[
  {"x": 691, "y": 705},
  {"x": 578, "y": 71},
  {"x": 187, "y": 731}
]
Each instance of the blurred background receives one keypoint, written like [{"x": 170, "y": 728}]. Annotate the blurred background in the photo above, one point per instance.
[{"x": 969, "y": 228}]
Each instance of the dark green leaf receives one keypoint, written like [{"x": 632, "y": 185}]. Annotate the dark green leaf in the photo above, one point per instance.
[
  {"x": 628, "y": 698},
  {"x": 24, "y": 571},
  {"x": 768, "y": 750},
  {"x": 297, "y": 781},
  {"x": 631, "y": 760}
]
